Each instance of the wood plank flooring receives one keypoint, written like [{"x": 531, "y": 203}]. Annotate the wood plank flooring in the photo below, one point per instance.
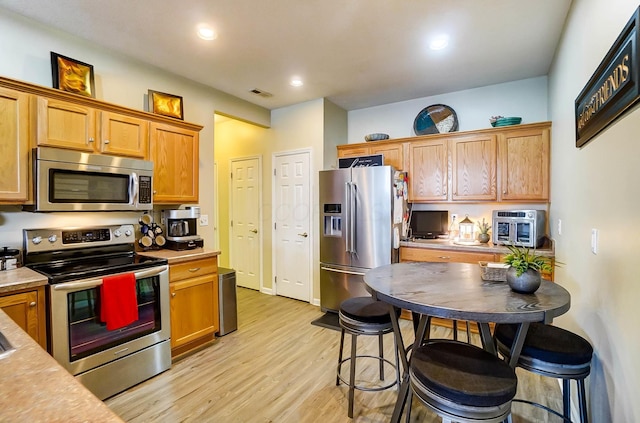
[{"x": 279, "y": 368}]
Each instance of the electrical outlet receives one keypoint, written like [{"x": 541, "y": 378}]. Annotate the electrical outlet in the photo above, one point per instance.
[
  {"x": 204, "y": 220},
  {"x": 559, "y": 226},
  {"x": 454, "y": 217}
]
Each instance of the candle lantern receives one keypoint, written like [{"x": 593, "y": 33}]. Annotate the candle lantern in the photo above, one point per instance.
[{"x": 466, "y": 230}]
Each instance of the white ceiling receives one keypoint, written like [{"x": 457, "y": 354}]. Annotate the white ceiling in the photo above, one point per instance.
[{"x": 356, "y": 53}]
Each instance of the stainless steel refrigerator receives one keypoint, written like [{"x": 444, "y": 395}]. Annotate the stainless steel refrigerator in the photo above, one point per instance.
[{"x": 359, "y": 229}]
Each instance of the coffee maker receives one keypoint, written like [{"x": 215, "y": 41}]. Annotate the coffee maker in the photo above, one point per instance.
[{"x": 181, "y": 228}]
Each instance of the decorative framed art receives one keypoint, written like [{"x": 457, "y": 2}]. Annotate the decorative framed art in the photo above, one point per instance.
[
  {"x": 72, "y": 75},
  {"x": 166, "y": 104}
]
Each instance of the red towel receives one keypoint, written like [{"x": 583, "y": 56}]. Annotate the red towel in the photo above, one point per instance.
[{"x": 119, "y": 303}]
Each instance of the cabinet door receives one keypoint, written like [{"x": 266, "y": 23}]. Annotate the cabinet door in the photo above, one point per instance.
[
  {"x": 66, "y": 125},
  {"x": 392, "y": 154},
  {"x": 192, "y": 309},
  {"x": 174, "y": 152},
  {"x": 14, "y": 140},
  {"x": 123, "y": 135},
  {"x": 27, "y": 309},
  {"x": 428, "y": 170},
  {"x": 443, "y": 256},
  {"x": 524, "y": 164},
  {"x": 473, "y": 163},
  {"x": 346, "y": 151}
]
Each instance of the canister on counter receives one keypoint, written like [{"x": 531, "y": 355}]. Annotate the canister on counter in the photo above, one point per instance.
[{"x": 9, "y": 258}]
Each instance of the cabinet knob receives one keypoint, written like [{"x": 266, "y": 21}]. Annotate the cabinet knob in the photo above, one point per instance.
[
  {"x": 173, "y": 294},
  {"x": 107, "y": 141},
  {"x": 91, "y": 139},
  {"x": 504, "y": 191},
  {"x": 32, "y": 304}
]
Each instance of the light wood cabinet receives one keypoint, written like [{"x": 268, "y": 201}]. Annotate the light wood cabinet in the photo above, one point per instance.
[
  {"x": 392, "y": 153},
  {"x": 175, "y": 154},
  {"x": 428, "y": 170},
  {"x": 193, "y": 287},
  {"x": 74, "y": 126},
  {"x": 27, "y": 309},
  {"x": 524, "y": 164},
  {"x": 473, "y": 168},
  {"x": 14, "y": 146},
  {"x": 443, "y": 256}
]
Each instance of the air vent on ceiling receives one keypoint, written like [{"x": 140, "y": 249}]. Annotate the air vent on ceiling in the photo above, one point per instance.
[{"x": 261, "y": 93}]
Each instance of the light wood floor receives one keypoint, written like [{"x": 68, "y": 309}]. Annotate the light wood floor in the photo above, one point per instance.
[{"x": 279, "y": 368}]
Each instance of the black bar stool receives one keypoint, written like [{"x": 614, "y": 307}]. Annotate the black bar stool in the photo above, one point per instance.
[
  {"x": 554, "y": 352},
  {"x": 364, "y": 316},
  {"x": 462, "y": 382}
]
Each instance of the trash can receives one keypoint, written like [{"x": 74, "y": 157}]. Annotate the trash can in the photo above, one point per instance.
[{"x": 227, "y": 303}]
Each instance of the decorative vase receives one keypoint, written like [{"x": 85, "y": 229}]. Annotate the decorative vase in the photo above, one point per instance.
[
  {"x": 527, "y": 283},
  {"x": 483, "y": 238}
]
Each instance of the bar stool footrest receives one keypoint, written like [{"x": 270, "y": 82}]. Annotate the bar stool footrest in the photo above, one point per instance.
[{"x": 366, "y": 388}]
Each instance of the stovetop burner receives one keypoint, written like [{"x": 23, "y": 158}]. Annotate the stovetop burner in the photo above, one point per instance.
[{"x": 81, "y": 253}]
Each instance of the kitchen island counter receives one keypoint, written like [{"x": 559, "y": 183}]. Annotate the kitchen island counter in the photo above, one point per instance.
[{"x": 35, "y": 388}]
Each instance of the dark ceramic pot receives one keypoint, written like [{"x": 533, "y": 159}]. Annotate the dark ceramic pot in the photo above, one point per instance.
[
  {"x": 527, "y": 283},
  {"x": 483, "y": 238}
]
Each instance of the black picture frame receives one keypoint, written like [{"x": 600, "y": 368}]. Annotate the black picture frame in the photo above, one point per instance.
[
  {"x": 72, "y": 75},
  {"x": 613, "y": 88},
  {"x": 166, "y": 104}
]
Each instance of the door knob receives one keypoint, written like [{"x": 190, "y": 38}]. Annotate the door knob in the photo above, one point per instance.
[
  {"x": 255, "y": 231},
  {"x": 304, "y": 235}
]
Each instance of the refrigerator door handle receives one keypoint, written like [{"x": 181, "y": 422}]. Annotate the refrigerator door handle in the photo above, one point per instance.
[
  {"x": 329, "y": 269},
  {"x": 352, "y": 217},
  {"x": 347, "y": 204}
]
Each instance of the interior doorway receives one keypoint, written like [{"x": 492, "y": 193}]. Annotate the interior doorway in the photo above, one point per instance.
[
  {"x": 292, "y": 228},
  {"x": 246, "y": 217}
]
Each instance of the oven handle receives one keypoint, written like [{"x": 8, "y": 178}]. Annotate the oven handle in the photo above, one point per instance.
[{"x": 93, "y": 283}]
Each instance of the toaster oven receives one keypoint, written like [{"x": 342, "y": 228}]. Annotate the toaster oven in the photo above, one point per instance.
[{"x": 522, "y": 228}]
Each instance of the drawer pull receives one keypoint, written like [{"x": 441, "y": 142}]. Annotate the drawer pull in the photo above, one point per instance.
[
  {"x": 32, "y": 304},
  {"x": 194, "y": 269},
  {"x": 445, "y": 258}
]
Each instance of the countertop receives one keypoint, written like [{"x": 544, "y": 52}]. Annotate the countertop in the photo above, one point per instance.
[
  {"x": 35, "y": 388},
  {"x": 546, "y": 250},
  {"x": 174, "y": 257},
  {"x": 20, "y": 278}
]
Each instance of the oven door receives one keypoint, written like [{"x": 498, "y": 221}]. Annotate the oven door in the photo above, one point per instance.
[{"x": 81, "y": 342}]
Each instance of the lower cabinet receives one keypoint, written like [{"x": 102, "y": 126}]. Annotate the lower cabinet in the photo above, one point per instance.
[
  {"x": 443, "y": 256},
  {"x": 193, "y": 287},
  {"x": 27, "y": 308}
]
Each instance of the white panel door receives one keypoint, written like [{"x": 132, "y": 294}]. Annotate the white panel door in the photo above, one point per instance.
[
  {"x": 292, "y": 219},
  {"x": 245, "y": 221}
]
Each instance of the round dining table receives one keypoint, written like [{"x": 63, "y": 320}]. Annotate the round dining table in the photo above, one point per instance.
[{"x": 457, "y": 291}]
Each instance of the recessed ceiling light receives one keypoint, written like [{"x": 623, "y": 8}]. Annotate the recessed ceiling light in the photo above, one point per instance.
[
  {"x": 296, "y": 82},
  {"x": 207, "y": 33},
  {"x": 439, "y": 42}
]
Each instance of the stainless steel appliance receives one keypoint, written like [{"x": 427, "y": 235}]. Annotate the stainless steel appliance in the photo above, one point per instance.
[
  {"x": 68, "y": 180},
  {"x": 76, "y": 260},
  {"x": 523, "y": 228},
  {"x": 360, "y": 229},
  {"x": 227, "y": 301},
  {"x": 182, "y": 228}
]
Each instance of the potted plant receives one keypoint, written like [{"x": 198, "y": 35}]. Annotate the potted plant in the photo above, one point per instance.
[
  {"x": 483, "y": 236},
  {"x": 523, "y": 274}
]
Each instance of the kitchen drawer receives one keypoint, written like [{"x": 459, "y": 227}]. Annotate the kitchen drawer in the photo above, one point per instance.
[
  {"x": 192, "y": 269},
  {"x": 443, "y": 256}
]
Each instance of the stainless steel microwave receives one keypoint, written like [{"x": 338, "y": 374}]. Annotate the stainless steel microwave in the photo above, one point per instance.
[
  {"x": 524, "y": 228},
  {"x": 68, "y": 180}
]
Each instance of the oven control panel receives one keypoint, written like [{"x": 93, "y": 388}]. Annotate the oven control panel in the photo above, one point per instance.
[{"x": 41, "y": 240}]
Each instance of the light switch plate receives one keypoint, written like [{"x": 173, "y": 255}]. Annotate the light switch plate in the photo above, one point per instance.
[
  {"x": 204, "y": 220},
  {"x": 594, "y": 241}
]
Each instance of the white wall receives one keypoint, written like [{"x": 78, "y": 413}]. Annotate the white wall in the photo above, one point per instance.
[
  {"x": 25, "y": 51},
  {"x": 525, "y": 98},
  {"x": 596, "y": 187}
]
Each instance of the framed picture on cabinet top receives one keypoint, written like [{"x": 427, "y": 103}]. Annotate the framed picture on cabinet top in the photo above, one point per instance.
[
  {"x": 166, "y": 104},
  {"x": 72, "y": 75}
]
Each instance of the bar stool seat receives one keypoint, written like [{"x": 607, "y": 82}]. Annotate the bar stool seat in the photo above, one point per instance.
[
  {"x": 365, "y": 316},
  {"x": 462, "y": 382},
  {"x": 554, "y": 352}
]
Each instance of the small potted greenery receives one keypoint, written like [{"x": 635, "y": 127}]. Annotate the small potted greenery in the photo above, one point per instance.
[
  {"x": 484, "y": 227},
  {"x": 523, "y": 274}
]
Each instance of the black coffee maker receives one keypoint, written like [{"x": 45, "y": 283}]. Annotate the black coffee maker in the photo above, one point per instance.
[{"x": 181, "y": 228}]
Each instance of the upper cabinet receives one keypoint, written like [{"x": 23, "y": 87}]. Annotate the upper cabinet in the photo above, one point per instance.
[
  {"x": 174, "y": 152},
  {"x": 392, "y": 153},
  {"x": 78, "y": 127},
  {"x": 428, "y": 170},
  {"x": 473, "y": 168},
  {"x": 499, "y": 164},
  {"x": 524, "y": 164},
  {"x": 14, "y": 146}
]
